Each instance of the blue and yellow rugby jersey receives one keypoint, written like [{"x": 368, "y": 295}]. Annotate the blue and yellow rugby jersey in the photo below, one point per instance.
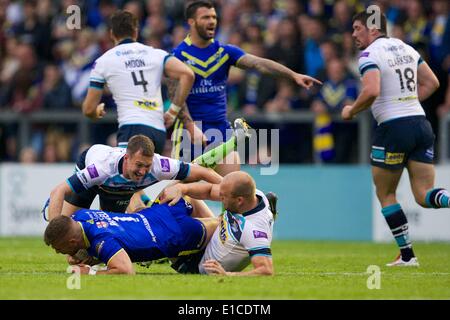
[
  {"x": 153, "y": 233},
  {"x": 208, "y": 98}
]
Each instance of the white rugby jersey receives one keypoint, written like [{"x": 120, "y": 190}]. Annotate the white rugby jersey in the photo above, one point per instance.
[
  {"x": 132, "y": 71},
  {"x": 397, "y": 63},
  {"x": 241, "y": 236},
  {"x": 102, "y": 167}
]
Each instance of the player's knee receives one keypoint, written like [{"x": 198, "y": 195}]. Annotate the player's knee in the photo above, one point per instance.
[{"x": 420, "y": 198}]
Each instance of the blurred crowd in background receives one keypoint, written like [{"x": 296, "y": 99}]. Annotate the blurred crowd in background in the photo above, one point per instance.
[{"x": 44, "y": 66}]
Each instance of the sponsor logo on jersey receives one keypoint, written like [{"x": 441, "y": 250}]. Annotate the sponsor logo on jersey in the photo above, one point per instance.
[
  {"x": 99, "y": 247},
  {"x": 146, "y": 104},
  {"x": 165, "y": 165},
  {"x": 102, "y": 224},
  {"x": 82, "y": 177},
  {"x": 394, "y": 158},
  {"x": 223, "y": 231},
  {"x": 259, "y": 234},
  {"x": 93, "y": 173},
  {"x": 430, "y": 153},
  {"x": 365, "y": 54},
  {"x": 127, "y": 52}
]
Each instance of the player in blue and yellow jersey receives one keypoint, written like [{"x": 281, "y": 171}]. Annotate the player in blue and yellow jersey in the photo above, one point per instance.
[
  {"x": 211, "y": 61},
  {"x": 119, "y": 239}
]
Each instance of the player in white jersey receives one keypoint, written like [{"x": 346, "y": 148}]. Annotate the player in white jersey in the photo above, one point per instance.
[
  {"x": 394, "y": 81},
  {"x": 115, "y": 174},
  {"x": 132, "y": 72},
  {"x": 244, "y": 234}
]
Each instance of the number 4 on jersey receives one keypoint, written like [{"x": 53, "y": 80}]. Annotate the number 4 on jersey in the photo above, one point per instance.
[{"x": 142, "y": 82}]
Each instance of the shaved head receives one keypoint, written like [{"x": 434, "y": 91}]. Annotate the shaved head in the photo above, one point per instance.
[{"x": 241, "y": 184}]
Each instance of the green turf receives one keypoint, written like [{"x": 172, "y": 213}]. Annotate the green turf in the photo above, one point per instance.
[{"x": 304, "y": 270}]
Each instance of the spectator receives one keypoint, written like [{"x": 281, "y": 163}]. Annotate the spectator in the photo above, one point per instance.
[
  {"x": 56, "y": 93},
  {"x": 337, "y": 91},
  {"x": 28, "y": 155}
]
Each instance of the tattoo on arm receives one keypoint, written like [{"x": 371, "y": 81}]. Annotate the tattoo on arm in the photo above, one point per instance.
[
  {"x": 265, "y": 66},
  {"x": 172, "y": 86}
]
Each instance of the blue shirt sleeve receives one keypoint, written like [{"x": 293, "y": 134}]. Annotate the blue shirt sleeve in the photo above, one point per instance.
[
  {"x": 105, "y": 247},
  {"x": 234, "y": 52}
]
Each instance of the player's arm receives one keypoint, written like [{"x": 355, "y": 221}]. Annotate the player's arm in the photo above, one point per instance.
[
  {"x": 197, "y": 173},
  {"x": 177, "y": 70},
  {"x": 172, "y": 86},
  {"x": 120, "y": 263},
  {"x": 92, "y": 108},
  {"x": 196, "y": 190},
  {"x": 427, "y": 81},
  {"x": 270, "y": 67},
  {"x": 371, "y": 87},
  {"x": 262, "y": 266},
  {"x": 183, "y": 114},
  {"x": 57, "y": 199}
]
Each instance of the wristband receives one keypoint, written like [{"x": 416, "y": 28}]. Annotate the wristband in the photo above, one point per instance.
[
  {"x": 173, "y": 107},
  {"x": 173, "y": 110},
  {"x": 92, "y": 271}
]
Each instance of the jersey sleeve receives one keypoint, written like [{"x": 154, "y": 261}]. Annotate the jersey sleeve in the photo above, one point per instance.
[
  {"x": 235, "y": 53},
  {"x": 105, "y": 247},
  {"x": 256, "y": 240},
  {"x": 367, "y": 62},
  {"x": 86, "y": 178},
  {"x": 169, "y": 169},
  {"x": 162, "y": 56},
  {"x": 97, "y": 79}
]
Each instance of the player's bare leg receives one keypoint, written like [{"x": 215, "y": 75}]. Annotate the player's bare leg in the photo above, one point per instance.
[
  {"x": 201, "y": 210},
  {"x": 210, "y": 225},
  {"x": 224, "y": 158},
  {"x": 421, "y": 176},
  {"x": 231, "y": 163},
  {"x": 386, "y": 182}
]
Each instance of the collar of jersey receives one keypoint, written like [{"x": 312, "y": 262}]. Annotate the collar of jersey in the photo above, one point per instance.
[
  {"x": 125, "y": 41},
  {"x": 188, "y": 40},
  {"x": 261, "y": 205},
  {"x": 120, "y": 165},
  {"x": 86, "y": 240},
  {"x": 380, "y": 37}
]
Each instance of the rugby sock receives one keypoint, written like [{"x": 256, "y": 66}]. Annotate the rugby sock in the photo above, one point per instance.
[
  {"x": 438, "y": 198},
  {"x": 398, "y": 224},
  {"x": 211, "y": 158}
]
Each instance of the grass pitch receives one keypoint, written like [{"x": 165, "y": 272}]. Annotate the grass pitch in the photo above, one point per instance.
[{"x": 304, "y": 270}]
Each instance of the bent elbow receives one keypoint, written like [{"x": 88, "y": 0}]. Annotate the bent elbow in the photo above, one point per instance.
[
  {"x": 126, "y": 271},
  {"x": 436, "y": 84},
  {"x": 267, "y": 271},
  {"x": 189, "y": 75}
]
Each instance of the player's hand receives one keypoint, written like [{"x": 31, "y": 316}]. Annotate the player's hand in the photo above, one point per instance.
[
  {"x": 169, "y": 119},
  {"x": 72, "y": 260},
  {"x": 100, "y": 111},
  {"x": 172, "y": 194},
  {"x": 197, "y": 136},
  {"x": 214, "y": 267},
  {"x": 305, "y": 81},
  {"x": 346, "y": 113},
  {"x": 81, "y": 268}
]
